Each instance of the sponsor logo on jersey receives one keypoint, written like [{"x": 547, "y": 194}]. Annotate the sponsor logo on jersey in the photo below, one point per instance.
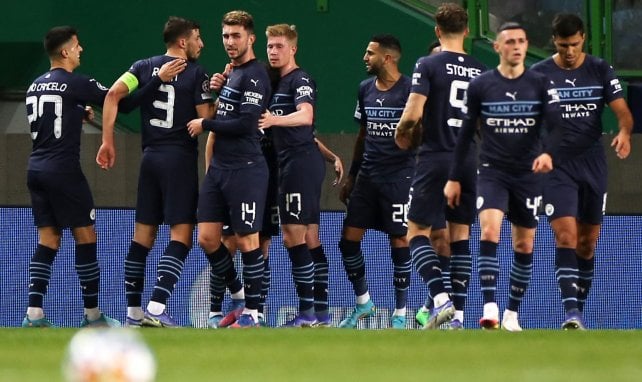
[
  {"x": 304, "y": 91},
  {"x": 512, "y": 95}
]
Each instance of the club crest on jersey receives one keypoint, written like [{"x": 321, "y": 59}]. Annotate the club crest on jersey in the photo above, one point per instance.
[
  {"x": 92, "y": 214},
  {"x": 549, "y": 209}
]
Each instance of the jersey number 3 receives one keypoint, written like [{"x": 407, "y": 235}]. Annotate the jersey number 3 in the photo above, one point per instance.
[{"x": 168, "y": 106}]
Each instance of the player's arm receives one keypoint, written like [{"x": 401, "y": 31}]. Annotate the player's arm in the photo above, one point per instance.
[
  {"x": 303, "y": 116},
  {"x": 166, "y": 73},
  {"x": 333, "y": 158},
  {"x": 622, "y": 141},
  {"x": 452, "y": 190},
  {"x": 405, "y": 136},
  {"x": 209, "y": 150},
  {"x": 357, "y": 159},
  {"x": 551, "y": 132},
  {"x": 126, "y": 84}
]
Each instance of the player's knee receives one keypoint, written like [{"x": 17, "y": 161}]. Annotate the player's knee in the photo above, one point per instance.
[
  {"x": 523, "y": 246},
  {"x": 208, "y": 242},
  {"x": 490, "y": 234},
  {"x": 585, "y": 249},
  {"x": 566, "y": 238}
]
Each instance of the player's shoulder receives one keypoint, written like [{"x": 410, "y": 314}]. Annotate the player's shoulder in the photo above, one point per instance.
[
  {"x": 535, "y": 75},
  {"x": 544, "y": 66},
  {"x": 486, "y": 77},
  {"x": 367, "y": 83},
  {"x": 597, "y": 62},
  {"x": 301, "y": 77}
]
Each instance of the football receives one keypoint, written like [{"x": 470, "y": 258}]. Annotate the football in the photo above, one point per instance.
[{"x": 108, "y": 355}]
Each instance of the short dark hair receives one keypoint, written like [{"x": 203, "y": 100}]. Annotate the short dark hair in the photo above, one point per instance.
[
  {"x": 451, "y": 18},
  {"x": 387, "y": 41},
  {"x": 56, "y": 37},
  {"x": 510, "y": 25},
  {"x": 567, "y": 25},
  {"x": 178, "y": 27}
]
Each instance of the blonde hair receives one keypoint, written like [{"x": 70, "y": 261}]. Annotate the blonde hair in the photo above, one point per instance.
[{"x": 285, "y": 30}]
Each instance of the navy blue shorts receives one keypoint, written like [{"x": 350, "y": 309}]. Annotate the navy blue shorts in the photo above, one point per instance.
[
  {"x": 236, "y": 196},
  {"x": 301, "y": 175},
  {"x": 380, "y": 206},
  {"x": 61, "y": 200},
  {"x": 517, "y": 193},
  {"x": 427, "y": 202},
  {"x": 271, "y": 225},
  {"x": 167, "y": 187},
  {"x": 577, "y": 188}
]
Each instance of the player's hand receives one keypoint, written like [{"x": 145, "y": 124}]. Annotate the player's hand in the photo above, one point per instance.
[
  {"x": 346, "y": 189},
  {"x": 402, "y": 139},
  {"x": 622, "y": 145},
  {"x": 543, "y": 164},
  {"x": 106, "y": 157},
  {"x": 218, "y": 79},
  {"x": 171, "y": 69},
  {"x": 89, "y": 114},
  {"x": 266, "y": 121},
  {"x": 338, "y": 171},
  {"x": 195, "y": 127},
  {"x": 408, "y": 139},
  {"x": 452, "y": 192}
]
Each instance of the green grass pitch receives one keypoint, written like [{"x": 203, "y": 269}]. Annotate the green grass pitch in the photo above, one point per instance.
[{"x": 348, "y": 355}]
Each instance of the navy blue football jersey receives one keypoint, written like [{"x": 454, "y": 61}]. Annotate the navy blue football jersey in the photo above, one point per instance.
[
  {"x": 443, "y": 78},
  {"x": 583, "y": 93},
  {"x": 294, "y": 88},
  {"x": 380, "y": 111},
  {"x": 55, "y": 109},
  {"x": 167, "y": 110},
  {"x": 241, "y": 102},
  {"x": 511, "y": 112}
]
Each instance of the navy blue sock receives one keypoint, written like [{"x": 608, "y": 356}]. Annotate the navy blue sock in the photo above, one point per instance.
[
  {"x": 253, "y": 268},
  {"x": 135, "y": 273},
  {"x": 566, "y": 274},
  {"x": 586, "y": 269},
  {"x": 402, "y": 266},
  {"x": 40, "y": 274},
  {"x": 427, "y": 264},
  {"x": 354, "y": 265},
  {"x": 321, "y": 270},
  {"x": 488, "y": 266},
  {"x": 88, "y": 273},
  {"x": 444, "y": 264},
  {"x": 461, "y": 265},
  {"x": 265, "y": 284},
  {"x": 169, "y": 271},
  {"x": 520, "y": 277},
  {"x": 220, "y": 264},
  {"x": 303, "y": 275}
]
